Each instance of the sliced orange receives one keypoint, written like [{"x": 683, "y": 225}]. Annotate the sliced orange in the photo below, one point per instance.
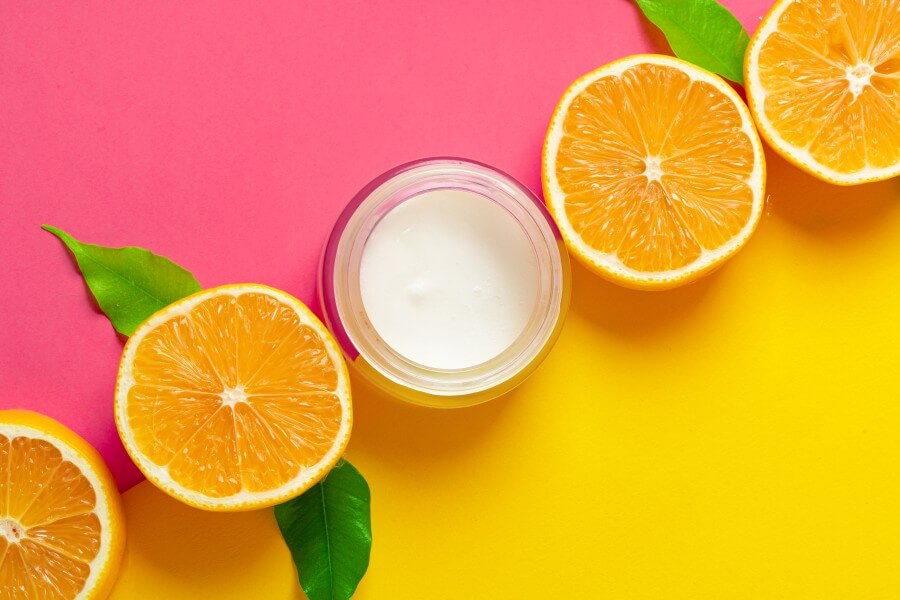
[
  {"x": 62, "y": 531},
  {"x": 823, "y": 81},
  {"x": 653, "y": 171},
  {"x": 233, "y": 398}
]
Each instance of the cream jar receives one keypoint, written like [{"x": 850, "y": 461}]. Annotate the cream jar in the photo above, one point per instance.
[{"x": 445, "y": 281}]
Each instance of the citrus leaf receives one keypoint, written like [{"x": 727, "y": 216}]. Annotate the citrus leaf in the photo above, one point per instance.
[
  {"x": 129, "y": 284},
  {"x": 702, "y": 32},
  {"x": 329, "y": 533}
]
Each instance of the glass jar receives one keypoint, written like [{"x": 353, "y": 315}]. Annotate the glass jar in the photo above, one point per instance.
[{"x": 366, "y": 351}]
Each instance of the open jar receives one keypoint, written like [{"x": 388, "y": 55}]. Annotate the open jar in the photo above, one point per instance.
[{"x": 445, "y": 281}]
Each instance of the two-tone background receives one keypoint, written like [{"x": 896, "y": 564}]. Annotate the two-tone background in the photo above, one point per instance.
[{"x": 737, "y": 438}]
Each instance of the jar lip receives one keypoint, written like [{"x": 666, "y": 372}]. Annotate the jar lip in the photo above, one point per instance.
[{"x": 339, "y": 273}]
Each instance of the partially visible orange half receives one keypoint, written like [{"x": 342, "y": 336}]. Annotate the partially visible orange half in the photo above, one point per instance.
[
  {"x": 62, "y": 530},
  {"x": 653, "y": 170},
  {"x": 823, "y": 82},
  {"x": 233, "y": 398}
]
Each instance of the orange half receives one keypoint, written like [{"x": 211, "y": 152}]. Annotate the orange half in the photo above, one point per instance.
[
  {"x": 653, "y": 170},
  {"x": 823, "y": 82},
  {"x": 233, "y": 398},
  {"x": 61, "y": 526}
]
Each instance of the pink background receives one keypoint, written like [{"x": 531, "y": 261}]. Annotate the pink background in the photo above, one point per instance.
[{"x": 228, "y": 136}]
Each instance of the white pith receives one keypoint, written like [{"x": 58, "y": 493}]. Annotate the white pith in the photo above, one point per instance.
[
  {"x": 101, "y": 506},
  {"x": 233, "y": 396},
  {"x": 159, "y": 474},
  {"x": 611, "y": 262},
  {"x": 859, "y": 77},
  {"x": 652, "y": 168},
  {"x": 756, "y": 95},
  {"x": 11, "y": 530}
]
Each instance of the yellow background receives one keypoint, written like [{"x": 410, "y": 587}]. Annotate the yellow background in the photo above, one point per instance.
[{"x": 736, "y": 438}]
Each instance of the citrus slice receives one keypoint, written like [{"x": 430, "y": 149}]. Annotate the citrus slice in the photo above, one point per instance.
[
  {"x": 233, "y": 398},
  {"x": 653, "y": 171},
  {"x": 823, "y": 82},
  {"x": 62, "y": 531}
]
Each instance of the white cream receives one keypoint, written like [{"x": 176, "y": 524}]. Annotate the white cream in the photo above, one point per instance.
[{"x": 449, "y": 279}]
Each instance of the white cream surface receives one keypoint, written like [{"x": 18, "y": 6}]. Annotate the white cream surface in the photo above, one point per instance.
[{"x": 449, "y": 279}]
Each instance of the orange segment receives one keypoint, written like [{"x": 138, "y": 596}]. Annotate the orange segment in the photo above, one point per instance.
[
  {"x": 185, "y": 411},
  {"x": 61, "y": 524},
  {"x": 233, "y": 398},
  {"x": 31, "y": 463},
  {"x": 65, "y": 493},
  {"x": 78, "y": 535},
  {"x": 208, "y": 462},
  {"x": 823, "y": 81},
  {"x": 275, "y": 421},
  {"x": 653, "y": 171},
  {"x": 51, "y": 570}
]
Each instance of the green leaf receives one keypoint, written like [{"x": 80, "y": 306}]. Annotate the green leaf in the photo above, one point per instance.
[
  {"x": 329, "y": 533},
  {"x": 130, "y": 284},
  {"x": 702, "y": 32}
]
